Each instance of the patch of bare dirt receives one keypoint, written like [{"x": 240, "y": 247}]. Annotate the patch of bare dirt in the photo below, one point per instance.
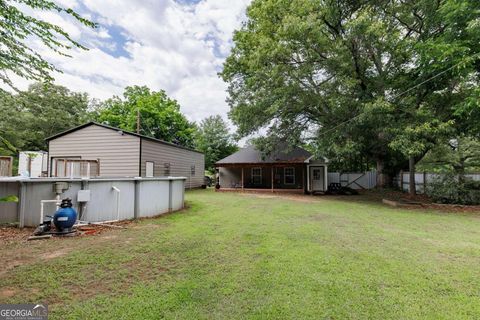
[
  {"x": 378, "y": 195},
  {"x": 110, "y": 237},
  {"x": 10, "y": 234},
  {"x": 419, "y": 201},
  {"x": 7, "y": 293},
  {"x": 17, "y": 251},
  {"x": 55, "y": 254},
  {"x": 26, "y": 252},
  {"x": 140, "y": 269},
  {"x": 289, "y": 196}
]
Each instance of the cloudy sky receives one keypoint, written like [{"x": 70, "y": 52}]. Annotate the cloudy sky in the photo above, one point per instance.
[{"x": 178, "y": 46}]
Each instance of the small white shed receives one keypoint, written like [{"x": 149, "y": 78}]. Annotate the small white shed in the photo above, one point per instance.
[{"x": 32, "y": 164}]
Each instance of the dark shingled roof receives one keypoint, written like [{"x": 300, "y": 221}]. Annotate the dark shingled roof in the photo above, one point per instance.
[{"x": 251, "y": 155}]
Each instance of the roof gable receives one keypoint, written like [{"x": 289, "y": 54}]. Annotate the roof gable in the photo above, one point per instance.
[{"x": 93, "y": 123}]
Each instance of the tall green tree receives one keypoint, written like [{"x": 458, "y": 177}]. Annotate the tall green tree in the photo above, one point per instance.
[
  {"x": 18, "y": 28},
  {"x": 382, "y": 79},
  {"x": 460, "y": 156},
  {"x": 215, "y": 140},
  {"x": 30, "y": 116},
  {"x": 156, "y": 114}
]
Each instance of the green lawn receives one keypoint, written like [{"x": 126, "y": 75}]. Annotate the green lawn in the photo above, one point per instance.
[{"x": 233, "y": 256}]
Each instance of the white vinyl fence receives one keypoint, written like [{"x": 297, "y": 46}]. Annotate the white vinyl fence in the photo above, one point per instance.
[
  {"x": 368, "y": 180},
  {"x": 422, "y": 179},
  {"x": 354, "y": 180}
]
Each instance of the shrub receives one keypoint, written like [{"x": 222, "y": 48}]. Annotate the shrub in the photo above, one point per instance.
[
  {"x": 448, "y": 188},
  {"x": 9, "y": 199}
]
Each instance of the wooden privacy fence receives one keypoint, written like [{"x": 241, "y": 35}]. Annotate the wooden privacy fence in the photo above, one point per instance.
[
  {"x": 354, "y": 180},
  {"x": 422, "y": 179},
  {"x": 6, "y": 164}
]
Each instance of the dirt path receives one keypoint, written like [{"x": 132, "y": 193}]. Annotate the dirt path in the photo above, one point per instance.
[
  {"x": 367, "y": 196},
  {"x": 289, "y": 196}
]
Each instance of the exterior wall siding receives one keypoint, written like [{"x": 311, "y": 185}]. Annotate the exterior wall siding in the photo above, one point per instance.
[
  {"x": 118, "y": 154},
  {"x": 231, "y": 177},
  {"x": 266, "y": 178},
  {"x": 279, "y": 177},
  {"x": 180, "y": 160}
]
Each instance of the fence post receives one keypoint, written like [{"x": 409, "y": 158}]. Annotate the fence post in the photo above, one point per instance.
[
  {"x": 136, "y": 199},
  {"x": 412, "y": 181},
  {"x": 424, "y": 182},
  {"x": 21, "y": 204},
  {"x": 170, "y": 195},
  {"x": 401, "y": 180}
]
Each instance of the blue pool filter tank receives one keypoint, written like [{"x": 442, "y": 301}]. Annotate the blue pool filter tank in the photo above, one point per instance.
[{"x": 65, "y": 217}]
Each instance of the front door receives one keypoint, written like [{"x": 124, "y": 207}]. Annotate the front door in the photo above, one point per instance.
[{"x": 317, "y": 178}]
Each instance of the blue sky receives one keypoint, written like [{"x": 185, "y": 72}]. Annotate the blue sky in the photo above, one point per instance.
[{"x": 178, "y": 46}]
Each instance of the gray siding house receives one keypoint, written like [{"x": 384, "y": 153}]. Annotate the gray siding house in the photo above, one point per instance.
[
  {"x": 98, "y": 150},
  {"x": 291, "y": 169}
]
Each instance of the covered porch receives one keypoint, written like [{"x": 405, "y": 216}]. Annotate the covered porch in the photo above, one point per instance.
[{"x": 274, "y": 177}]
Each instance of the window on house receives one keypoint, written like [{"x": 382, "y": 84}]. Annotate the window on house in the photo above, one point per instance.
[
  {"x": 166, "y": 168},
  {"x": 192, "y": 170},
  {"x": 289, "y": 174},
  {"x": 149, "y": 169},
  {"x": 257, "y": 175}
]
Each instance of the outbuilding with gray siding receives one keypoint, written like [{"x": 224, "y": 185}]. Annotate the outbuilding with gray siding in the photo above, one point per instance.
[{"x": 98, "y": 150}]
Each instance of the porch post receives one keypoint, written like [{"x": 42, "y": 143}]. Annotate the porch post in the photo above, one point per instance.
[
  {"x": 242, "y": 179},
  {"x": 272, "y": 176},
  {"x": 303, "y": 177},
  {"x": 308, "y": 179}
]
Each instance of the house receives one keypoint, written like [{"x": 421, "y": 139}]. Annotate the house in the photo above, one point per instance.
[
  {"x": 289, "y": 169},
  {"x": 98, "y": 150}
]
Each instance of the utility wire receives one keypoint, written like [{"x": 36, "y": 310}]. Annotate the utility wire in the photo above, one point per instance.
[
  {"x": 400, "y": 94},
  {"x": 143, "y": 123}
]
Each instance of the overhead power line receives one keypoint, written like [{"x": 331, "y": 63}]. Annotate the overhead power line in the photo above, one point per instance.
[
  {"x": 401, "y": 94},
  {"x": 144, "y": 125}
]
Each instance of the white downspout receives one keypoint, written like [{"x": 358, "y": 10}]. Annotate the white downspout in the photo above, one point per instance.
[{"x": 325, "y": 181}]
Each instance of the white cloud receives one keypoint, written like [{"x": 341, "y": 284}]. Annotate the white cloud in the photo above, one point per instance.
[{"x": 161, "y": 44}]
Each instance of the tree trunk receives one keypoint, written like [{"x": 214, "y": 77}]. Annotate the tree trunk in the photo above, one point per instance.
[
  {"x": 383, "y": 179},
  {"x": 411, "y": 178}
]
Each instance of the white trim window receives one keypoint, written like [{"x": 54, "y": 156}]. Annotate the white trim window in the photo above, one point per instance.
[
  {"x": 289, "y": 175},
  {"x": 257, "y": 175},
  {"x": 149, "y": 165}
]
